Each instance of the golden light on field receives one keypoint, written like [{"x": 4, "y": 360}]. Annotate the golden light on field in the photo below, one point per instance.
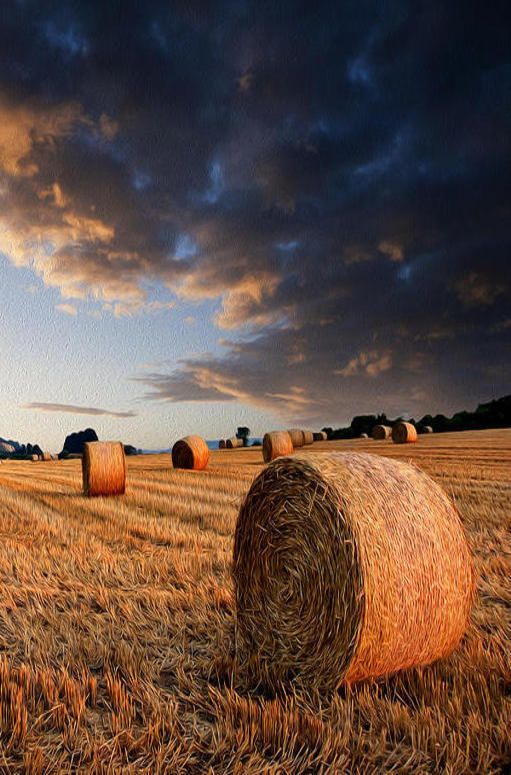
[{"x": 116, "y": 629}]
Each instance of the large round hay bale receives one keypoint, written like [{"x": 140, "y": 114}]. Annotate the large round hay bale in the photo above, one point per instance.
[
  {"x": 308, "y": 437},
  {"x": 297, "y": 437},
  {"x": 221, "y": 444},
  {"x": 191, "y": 452},
  {"x": 276, "y": 444},
  {"x": 403, "y": 433},
  {"x": 347, "y": 567},
  {"x": 103, "y": 468},
  {"x": 381, "y": 432},
  {"x": 426, "y": 429}
]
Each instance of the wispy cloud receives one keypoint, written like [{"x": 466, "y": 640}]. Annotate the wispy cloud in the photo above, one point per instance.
[
  {"x": 67, "y": 309},
  {"x": 71, "y": 409}
]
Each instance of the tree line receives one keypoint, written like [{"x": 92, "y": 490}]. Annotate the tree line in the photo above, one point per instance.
[{"x": 493, "y": 414}]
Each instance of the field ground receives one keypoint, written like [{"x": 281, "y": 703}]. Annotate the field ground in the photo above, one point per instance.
[{"x": 116, "y": 631}]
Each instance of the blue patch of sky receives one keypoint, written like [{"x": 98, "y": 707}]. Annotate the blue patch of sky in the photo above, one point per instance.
[
  {"x": 185, "y": 247},
  {"x": 158, "y": 36},
  {"x": 288, "y": 247},
  {"x": 405, "y": 272},
  {"x": 358, "y": 71},
  {"x": 141, "y": 180},
  {"x": 212, "y": 194},
  {"x": 67, "y": 40}
]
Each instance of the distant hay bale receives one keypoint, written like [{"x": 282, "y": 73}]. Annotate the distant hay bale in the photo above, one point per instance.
[
  {"x": 363, "y": 436},
  {"x": 426, "y": 429},
  {"x": 403, "y": 433},
  {"x": 308, "y": 437},
  {"x": 221, "y": 444},
  {"x": 297, "y": 437},
  {"x": 103, "y": 468},
  {"x": 233, "y": 443},
  {"x": 34, "y": 458},
  {"x": 347, "y": 567},
  {"x": 191, "y": 452},
  {"x": 320, "y": 436},
  {"x": 46, "y": 456},
  {"x": 381, "y": 432},
  {"x": 276, "y": 444}
]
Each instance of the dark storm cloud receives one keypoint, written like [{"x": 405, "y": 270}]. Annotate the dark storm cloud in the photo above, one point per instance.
[{"x": 338, "y": 174}]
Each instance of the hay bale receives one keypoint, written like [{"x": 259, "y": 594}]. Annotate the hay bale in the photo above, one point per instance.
[
  {"x": 381, "y": 432},
  {"x": 363, "y": 436},
  {"x": 34, "y": 458},
  {"x": 297, "y": 437},
  {"x": 426, "y": 429},
  {"x": 347, "y": 567},
  {"x": 103, "y": 468},
  {"x": 233, "y": 443},
  {"x": 319, "y": 436},
  {"x": 403, "y": 433},
  {"x": 276, "y": 444},
  {"x": 221, "y": 444},
  {"x": 46, "y": 456},
  {"x": 308, "y": 437},
  {"x": 192, "y": 453}
]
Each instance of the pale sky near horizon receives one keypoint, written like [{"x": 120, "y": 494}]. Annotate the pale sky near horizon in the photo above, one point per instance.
[
  {"x": 224, "y": 213},
  {"x": 51, "y": 356}
]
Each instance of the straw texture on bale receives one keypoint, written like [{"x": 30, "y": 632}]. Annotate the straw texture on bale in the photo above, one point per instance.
[
  {"x": 347, "y": 567},
  {"x": 276, "y": 444},
  {"x": 308, "y": 437},
  {"x": 191, "y": 452},
  {"x": 103, "y": 468},
  {"x": 221, "y": 444},
  {"x": 381, "y": 432},
  {"x": 426, "y": 429},
  {"x": 297, "y": 437},
  {"x": 403, "y": 433}
]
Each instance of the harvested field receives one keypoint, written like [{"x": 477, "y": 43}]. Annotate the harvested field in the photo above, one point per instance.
[{"x": 116, "y": 630}]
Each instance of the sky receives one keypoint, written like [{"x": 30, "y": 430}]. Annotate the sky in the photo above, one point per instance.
[{"x": 269, "y": 214}]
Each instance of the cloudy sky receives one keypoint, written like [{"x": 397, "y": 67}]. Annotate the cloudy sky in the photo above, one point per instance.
[{"x": 262, "y": 213}]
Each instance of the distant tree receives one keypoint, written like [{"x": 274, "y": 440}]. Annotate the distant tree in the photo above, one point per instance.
[
  {"x": 363, "y": 423},
  {"x": 243, "y": 433}
]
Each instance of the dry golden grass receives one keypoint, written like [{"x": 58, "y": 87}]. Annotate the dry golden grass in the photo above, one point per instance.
[{"x": 116, "y": 631}]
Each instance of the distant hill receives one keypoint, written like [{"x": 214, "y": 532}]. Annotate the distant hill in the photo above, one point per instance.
[{"x": 493, "y": 414}]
